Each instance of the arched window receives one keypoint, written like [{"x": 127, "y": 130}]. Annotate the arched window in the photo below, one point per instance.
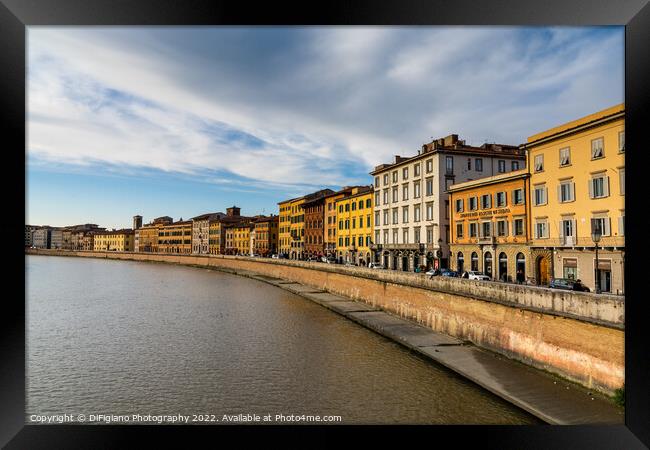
[
  {"x": 503, "y": 267},
  {"x": 474, "y": 262},
  {"x": 460, "y": 262},
  {"x": 521, "y": 268}
]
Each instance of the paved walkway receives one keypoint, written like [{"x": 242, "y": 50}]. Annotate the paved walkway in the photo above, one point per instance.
[{"x": 544, "y": 395}]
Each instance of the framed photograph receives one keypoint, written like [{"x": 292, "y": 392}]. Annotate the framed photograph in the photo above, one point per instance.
[{"x": 292, "y": 222}]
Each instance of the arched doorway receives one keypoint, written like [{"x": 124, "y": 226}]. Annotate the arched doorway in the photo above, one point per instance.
[
  {"x": 541, "y": 270},
  {"x": 460, "y": 262},
  {"x": 503, "y": 266},
  {"x": 429, "y": 260},
  {"x": 405, "y": 262},
  {"x": 416, "y": 261},
  {"x": 474, "y": 262},
  {"x": 487, "y": 264},
  {"x": 521, "y": 267},
  {"x": 394, "y": 261}
]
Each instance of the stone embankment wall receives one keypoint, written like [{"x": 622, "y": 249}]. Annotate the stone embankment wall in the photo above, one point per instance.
[{"x": 576, "y": 335}]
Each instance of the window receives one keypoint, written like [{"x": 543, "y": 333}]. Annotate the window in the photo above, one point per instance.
[
  {"x": 565, "y": 192},
  {"x": 395, "y": 176},
  {"x": 570, "y": 268},
  {"x": 502, "y": 165},
  {"x": 540, "y": 195},
  {"x": 459, "y": 230},
  {"x": 376, "y": 181},
  {"x": 602, "y": 223},
  {"x": 486, "y": 229},
  {"x": 416, "y": 189},
  {"x": 472, "y": 229},
  {"x": 502, "y": 228},
  {"x": 368, "y": 203},
  {"x": 416, "y": 213},
  {"x": 567, "y": 228},
  {"x": 347, "y": 207},
  {"x": 621, "y": 180},
  {"x": 395, "y": 234},
  {"x": 621, "y": 141},
  {"x": 360, "y": 241},
  {"x": 449, "y": 164},
  {"x": 501, "y": 199},
  {"x": 416, "y": 235},
  {"x": 416, "y": 170},
  {"x": 473, "y": 203},
  {"x": 340, "y": 209},
  {"x": 405, "y": 191},
  {"x": 565, "y": 156},
  {"x": 597, "y": 148},
  {"x": 621, "y": 224},
  {"x": 478, "y": 164},
  {"x": 448, "y": 182},
  {"x": 405, "y": 173},
  {"x": 539, "y": 163},
  {"x": 541, "y": 230},
  {"x": 385, "y": 179},
  {"x": 377, "y": 202},
  {"x": 459, "y": 205},
  {"x": 429, "y": 235},
  {"x": 405, "y": 214},
  {"x": 430, "y": 211},
  {"x": 377, "y": 237},
  {"x": 486, "y": 201},
  {"x": 405, "y": 235},
  {"x": 514, "y": 165},
  {"x": 599, "y": 186},
  {"x": 395, "y": 194},
  {"x": 385, "y": 236},
  {"x": 519, "y": 227},
  {"x": 395, "y": 215},
  {"x": 354, "y": 206},
  {"x": 518, "y": 196},
  {"x": 385, "y": 217},
  {"x": 360, "y": 204},
  {"x": 469, "y": 163},
  {"x": 354, "y": 222},
  {"x": 377, "y": 218},
  {"x": 429, "y": 186},
  {"x": 347, "y": 224},
  {"x": 347, "y": 241},
  {"x": 430, "y": 166}
]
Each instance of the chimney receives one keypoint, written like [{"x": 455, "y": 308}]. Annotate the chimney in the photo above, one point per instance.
[
  {"x": 450, "y": 140},
  {"x": 397, "y": 159}
]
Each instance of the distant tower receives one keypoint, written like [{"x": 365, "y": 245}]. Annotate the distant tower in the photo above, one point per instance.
[
  {"x": 233, "y": 211},
  {"x": 137, "y": 222}
]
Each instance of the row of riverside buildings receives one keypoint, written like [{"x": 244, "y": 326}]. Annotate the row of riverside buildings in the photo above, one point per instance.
[
  {"x": 212, "y": 233},
  {"x": 514, "y": 212}
]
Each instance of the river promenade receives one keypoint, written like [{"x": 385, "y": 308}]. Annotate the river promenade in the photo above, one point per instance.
[{"x": 482, "y": 331}]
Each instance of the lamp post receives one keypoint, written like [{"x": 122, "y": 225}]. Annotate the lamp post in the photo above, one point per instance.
[{"x": 596, "y": 234}]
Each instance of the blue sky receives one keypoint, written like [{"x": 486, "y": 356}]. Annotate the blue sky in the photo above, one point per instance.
[{"x": 180, "y": 121}]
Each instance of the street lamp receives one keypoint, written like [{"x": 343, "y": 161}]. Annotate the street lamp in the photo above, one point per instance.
[{"x": 596, "y": 234}]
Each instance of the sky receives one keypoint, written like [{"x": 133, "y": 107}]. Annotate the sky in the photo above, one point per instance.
[{"x": 180, "y": 121}]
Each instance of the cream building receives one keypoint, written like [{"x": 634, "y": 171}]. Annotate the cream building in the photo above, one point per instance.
[{"x": 411, "y": 210}]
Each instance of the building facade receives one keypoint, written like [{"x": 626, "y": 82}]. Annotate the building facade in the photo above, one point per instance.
[
  {"x": 146, "y": 237},
  {"x": 330, "y": 222},
  {"x": 56, "y": 238},
  {"x": 41, "y": 237},
  {"x": 265, "y": 237},
  {"x": 411, "y": 202},
  {"x": 355, "y": 226},
  {"x": 175, "y": 237},
  {"x": 201, "y": 232},
  {"x": 241, "y": 239},
  {"x": 314, "y": 227},
  {"x": 490, "y": 231},
  {"x": 284, "y": 227},
  {"x": 114, "y": 241},
  {"x": 578, "y": 183},
  {"x": 29, "y": 235}
]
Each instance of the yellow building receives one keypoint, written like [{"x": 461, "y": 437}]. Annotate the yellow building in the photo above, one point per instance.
[
  {"x": 284, "y": 227},
  {"x": 489, "y": 228},
  {"x": 242, "y": 239},
  {"x": 114, "y": 241},
  {"x": 297, "y": 229},
  {"x": 354, "y": 215},
  {"x": 175, "y": 237},
  {"x": 577, "y": 183}
]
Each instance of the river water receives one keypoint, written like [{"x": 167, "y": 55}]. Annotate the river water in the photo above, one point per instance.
[{"x": 124, "y": 338}]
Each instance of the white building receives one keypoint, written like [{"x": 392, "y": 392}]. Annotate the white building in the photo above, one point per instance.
[
  {"x": 201, "y": 232},
  {"x": 411, "y": 210}
]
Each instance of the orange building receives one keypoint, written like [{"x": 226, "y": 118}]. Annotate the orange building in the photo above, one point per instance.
[
  {"x": 175, "y": 237},
  {"x": 490, "y": 232}
]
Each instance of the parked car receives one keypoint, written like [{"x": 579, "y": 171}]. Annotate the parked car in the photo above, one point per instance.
[
  {"x": 449, "y": 273},
  {"x": 313, "y": 259},
  {"x": 568, "y": 284},
  {"x": 475, "y": 275},
  {"x": 274, "y": 256},
  {"x": 374, "y": 265}
]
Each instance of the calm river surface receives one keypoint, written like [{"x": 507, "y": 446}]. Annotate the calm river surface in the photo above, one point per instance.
[{"x": 124, "y": 338}]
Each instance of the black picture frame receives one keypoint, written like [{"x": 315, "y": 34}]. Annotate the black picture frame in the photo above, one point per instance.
[{"x": 16, "y": 15}]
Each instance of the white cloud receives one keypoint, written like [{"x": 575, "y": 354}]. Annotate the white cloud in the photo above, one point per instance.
[{"x": 327, "y": 103}]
